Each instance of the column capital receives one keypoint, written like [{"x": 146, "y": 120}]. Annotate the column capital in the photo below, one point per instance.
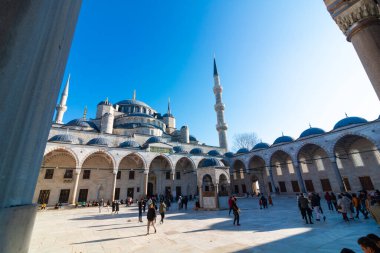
[{"x": 353, "y": 15}]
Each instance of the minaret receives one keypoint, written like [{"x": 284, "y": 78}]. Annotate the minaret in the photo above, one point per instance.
[
  {"x": 221, "y": 126},
  {"x": 61, "y": 107}
]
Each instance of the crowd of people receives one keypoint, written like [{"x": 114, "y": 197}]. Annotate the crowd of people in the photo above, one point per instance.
[{"x": 369, "y": 244}]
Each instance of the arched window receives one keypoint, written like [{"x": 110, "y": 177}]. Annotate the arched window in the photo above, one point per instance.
[
  {"x": 278, "y": 169},
  {"x": 304, "y": 167},
  {"x": 207, "y": 184},
  {"x": 290, "y": 167},
  {"x": 319, "y": 163},
  {"x": 356, "y": 158}
]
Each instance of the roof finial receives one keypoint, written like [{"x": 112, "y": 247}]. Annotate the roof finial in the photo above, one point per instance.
[
  {"x": 85, "y": 112},
  {"x": 169, "y": 106},
  {"x": 346, "y": 115},
  {"x": 282, "y": 133},
  {"x": 106, "y": 101},
  {"x": 134, "y": 95},
  {"x": 215, "y": 68},
  {"x": 309, "y": 125}
]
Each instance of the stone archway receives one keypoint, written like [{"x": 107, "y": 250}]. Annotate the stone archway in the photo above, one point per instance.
[
  {"x": 185, "y": 178},
  {"x": 130, "y": 177},
  {"x": 259, "y": 179},
  {"x": 159, "y": 169},
  {"x": 238, "y": 182},
  {"x": 283, "y": 171}
]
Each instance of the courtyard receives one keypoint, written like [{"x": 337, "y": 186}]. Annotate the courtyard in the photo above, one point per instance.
[{"x": 277, "y": 229}]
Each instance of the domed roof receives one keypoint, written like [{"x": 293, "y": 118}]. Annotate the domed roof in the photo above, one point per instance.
[
  {"x": 196, "y": 151},
  {"x": 129, "y": 144},
  {"x": 66, "y": 138},
  {"x": 242, "y": 151},
  {"x": 179, "y": 149},
  {"x": 99, "y": 142},
  {"x": 229, "y": 154},
  {"x": 312, "y": 131},
  {"x": 283, "y": 139},
  {"x": 82, "y": 123},
  {"x": 168, "y": 115},
  {"x": 349, "y": 121},
  {"x": 260, "y": 145},
  {"x": 214, "y": 152},
  {"x": 192, "y": 138},
  {"x": 139, "y": 114},
  {"x": 132, "y": 102},
  {"x": 105, "y": 102},
  {"x": 154, "y": 139},
  {"x": 209, "y": 162}
]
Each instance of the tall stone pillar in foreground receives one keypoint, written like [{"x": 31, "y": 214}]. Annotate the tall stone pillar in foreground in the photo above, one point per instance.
[
  {"x": 35, "y": 39},
  {"x": 359, "y": 20}
]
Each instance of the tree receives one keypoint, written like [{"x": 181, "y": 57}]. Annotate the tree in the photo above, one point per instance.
[{"x": 244, "y": 140}]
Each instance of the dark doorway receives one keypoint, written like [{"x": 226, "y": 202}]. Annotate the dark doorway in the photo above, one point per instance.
[
  {"x": 64, "y": 196},
  {"x": 130, "y": 192},
  {"x": 44, "y": 197},
  {"x": 150, "y": 189},
  {"x": 178, "y": 191},
  {"x": 117, "y": 193},
  {"x": 82, "y": 195}
]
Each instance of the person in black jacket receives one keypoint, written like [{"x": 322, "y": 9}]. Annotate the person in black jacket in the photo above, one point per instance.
[
  {"x": 236, "y": 211},
  {"x": 151, "y": 215}
]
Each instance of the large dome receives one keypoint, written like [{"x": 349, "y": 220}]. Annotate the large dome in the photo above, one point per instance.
[
  {"x": 242, "y": 151},
  {"x": 283, "y": 139},
  {"x": 129, "y": 144},
  {"x": 209, "y": 162},
  {"x": 196, "y": 151},
  {"x": 99, "y": 142},
  {"x": 214, "y": 152},
  {"x": 192, "y": 138},
  {"x": 82, "y": 123},
  {"x": 229, "y": 154},
  {"x": 154, "y": 139},
  {"x": 312, "y": 131},
  {"x": 65, "y": 138},
  {"x": 260, "y": 145},
  {"x": 132, "y": 102},
  {"x": 349, "y": 121}
]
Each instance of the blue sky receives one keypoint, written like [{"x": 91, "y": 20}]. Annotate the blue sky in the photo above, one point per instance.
[{"x": 283, "y": 64}]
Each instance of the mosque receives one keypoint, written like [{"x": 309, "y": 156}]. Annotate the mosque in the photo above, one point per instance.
[{"x": 131, "y": 150}]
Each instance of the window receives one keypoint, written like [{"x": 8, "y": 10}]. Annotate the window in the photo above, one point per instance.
[
  {"x": 309, "y": 185},
  {"x": 319, "y": 163},
  {"x": 118, "y": 175},
  {"x": 167, "y": 175},
  {"x": 236, "y": 189},
  {"x": 178, "y": 175},
  {"x": 49, "y": 173},
  {"x": 86, "y": 174},
  {"x": 43, "y": 198},
  {"x": 356, "y": 158},
  {"x": 366, "y": 183},
  {"x": 326, "y": 186},
  {"x": 244, "y": 188},
  {"x": 278, "y": 169},
  {"x": 339, "y": 163},
  {"x": 270, "y": 186},
  {"x": 347, "y": 183},
  {"x": 138, "y": 189},
  {"x": 68, "y": 174},
  {"x": 131, "y": 175},
  {"x": 304, "y": 167},
  {"x": 117, "y": 193},
  {"x": 290, "y": 167},
  {"x": 64, "y": 196},
  {"x": 295, "y": 186},
  {"x": 82, "y": 195},
  {"x": 282, "y": 186}
]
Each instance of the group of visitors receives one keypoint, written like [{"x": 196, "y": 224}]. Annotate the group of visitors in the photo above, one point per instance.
[
  {"x": 368, "y": 244},
  {"x": 309, "y": 204},
  {"x": 263, "y": 201},
  {"x": 182, "y": 202}
]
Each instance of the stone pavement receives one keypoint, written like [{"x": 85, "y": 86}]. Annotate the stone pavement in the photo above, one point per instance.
[{"x": 277, "y": 229}]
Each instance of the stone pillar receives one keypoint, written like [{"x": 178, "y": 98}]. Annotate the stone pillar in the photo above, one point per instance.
[
  {"x": 75, "y": 190},
  {"x": 114, "y": 180},
  {"x": 272, "y": 180},
  {"x": 299, "y": 177},
  {"x": 146, "y": 174},
  {"x": 217, "y": 195},
  {"x": 172, "y": 175},
  {"x": 35, "y": 39},
  {"x": 200, "y": 197},
  {"x": 338, "y": 176},
  {"x": 359, "y": 20}
]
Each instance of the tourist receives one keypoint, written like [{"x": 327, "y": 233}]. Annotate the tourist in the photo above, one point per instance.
[
  {"x": 306, "y": 211},
  {"x": 151, "y": 215},
  {"x": 140, "y": 206},
  {"x": 375, "y": 239},
  {"x": 264, "y": 201},
  {"x": 316, "y": 206},
  {"x": 113, "y": 206},
  {"x": 367, "y": 245},
  {"x": 357, "y": 204},
  {"x": 143, "y": 204},
  {"x": 108, "y": 205},
  {"x": 270, "y": 200},
  {"x": 236, "y": 211},
  {"x": 230, "y": 204},
  {"x": 162, "y": 211},
  {"x": 117, "y": 207},
  {"x": 343, "y": 205},
  {"x": 101, "y": 203},
  {"x": 329, "y": 202},
  {"x": 334, "y": 201},
  {"x": 185, "y": 200}
]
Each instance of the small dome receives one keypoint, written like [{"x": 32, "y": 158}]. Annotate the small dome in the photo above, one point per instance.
[
  {"x": 349, "y": 121},
  {"x": 105, "y": 102},
  {"x": 179, "y": 149},
  {"x": 192, "y": 138},
  {"x": 65, "y": 138},
  {"x": 154, "y": 139},
  {"x": 168, "y": 115},
  {"x": 242, "y": 151},
  {"x": 99, "y": 142},
  {"x": 312, "y": 131},
  {"x": 283, "y": 139},
  {"x": 209, "y": 162},
  {"x": 129, "y": 144},
  {"x": 196, "y": 151},
  {"x": 260, "y": 145},
  {"x": 82, "y": 123},
  {"x": 229, "y": 154},
  {"x": 214, "y": 152},
  {"x": 176, "y": 133}
]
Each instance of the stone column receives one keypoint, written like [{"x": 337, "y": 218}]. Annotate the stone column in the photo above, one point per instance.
[
  {"x": 114, "y": 180},
  {"x": 299, "y": 177},
  {"x": 200, "y": 197},
  {"x": 172, "y": 175},
  {"x": 272, "y": 180},
  {"x": 359, "y": 20},
  {"x": 338, "y": 176},
  {"x": 216, "y": 195},
  {"x": 35, "y": 39},
  {"x": 75, "y": 190},
  {"x": 146, "y": 174}
]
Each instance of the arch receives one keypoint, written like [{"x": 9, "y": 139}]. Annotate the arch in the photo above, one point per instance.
[
  {"x": 135, "y": 158},
  {"x": 55, "y": 157},
  {"x": 207, "y": 184},
  {"x": 259, "y": 175},
  {"x": 102, "y": 155},
  {"x": 223, "y": 185},
  {"x": 185, "y": 177},
  {"x": 283, "y": 171},
  {"x": 185, "y": 160},
  {"x": 164, "y": 159},
  {"x": 100, "y": 152},
  {"x": 49, "y": 150}
]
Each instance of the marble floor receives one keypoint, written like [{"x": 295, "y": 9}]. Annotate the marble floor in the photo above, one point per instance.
[{"x": 277, "y": 229}]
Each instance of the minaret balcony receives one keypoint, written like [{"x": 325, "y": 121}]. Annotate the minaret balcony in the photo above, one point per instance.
[
  {"x": 222, "y": 127},
  {"x": 219, "y": 107}
]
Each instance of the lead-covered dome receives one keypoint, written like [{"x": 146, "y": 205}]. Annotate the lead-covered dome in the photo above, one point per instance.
[
  {"x": 229, "y": 154},
  {"x": 214, "y": 152},
  {"x": 209, "y": 162},
  {"x": 81, "y": 123},
  {"x": 132, "y": 102},
  {"x": 242, "y": 151},
  {"x": 100, "y": 141},
  {"x": 283, "y": 139},
  {"x": 349, "y": 121},
  {"x": 196, "y": 151},
  {"x": 154, "y": 139},
  {"x": 260, "y": 145},
  {"x": 179, "y": 149},
  {"x": 192, "y": 138},
  {"x": 64, "y": 138},
  {"x": 312, "y": 131},
  {"x": 129, "y": 144}
]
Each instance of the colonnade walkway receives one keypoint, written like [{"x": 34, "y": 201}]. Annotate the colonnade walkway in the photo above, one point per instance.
[{"x": 277, "y": 229}]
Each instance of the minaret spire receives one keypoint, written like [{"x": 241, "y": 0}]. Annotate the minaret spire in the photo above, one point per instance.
[
  {"x": 221, "y": 126},
  {"x": 134, "y": 95},
  {"x": 169, "y": 112},
  {"x": 85, "y": 113},
  {"x": 61, "y": 107}
]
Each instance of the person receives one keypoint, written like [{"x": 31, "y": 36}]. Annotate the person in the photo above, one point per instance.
[
  {"x": 113, "y": 206},
  {"x": 334, "y": 201},
  {"x": 329, "y": 202},
  {"x": 367, "y": 245},
  {"x": 151, "y": 216},
  {"x": 316, "y": 205},
  {"x": 140, "y": 206},
  {"x": 357, "y": 204},
  {"x": 117, "y": 207},
  {"x": 185, "y": 201},
  {"x": 230, "y": 204},
  {"x": 270, "y": 200},
  {"x": 343, "y": 206},
  {"x": 345, "y": 250},
  {"x": 236, "y": 211},
  {"x": 108, "y": 205},
  {"x": 143, "y": 204},
  {"x": 303, "y": 202},
  {"x": 101, "y": 203},
  {"x": 374, "y": 238},
  {"x": 162, "y": 210}
]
